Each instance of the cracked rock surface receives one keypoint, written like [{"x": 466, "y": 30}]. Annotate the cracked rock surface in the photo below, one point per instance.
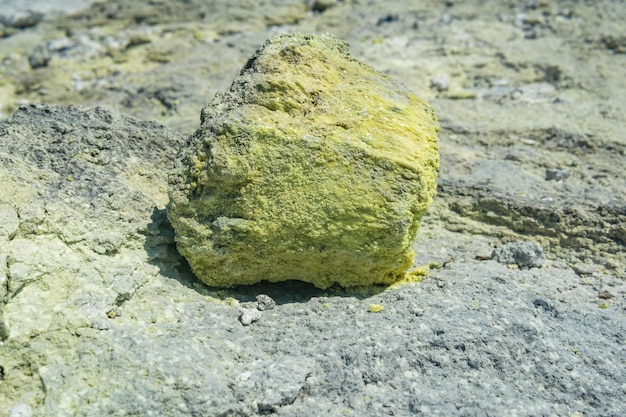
[{"x": 100, "y": 315}]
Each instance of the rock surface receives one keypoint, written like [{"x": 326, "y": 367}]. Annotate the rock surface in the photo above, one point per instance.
[
  {"x": 102, "y": 316},
  {"x": 312, "y": 167},
  {"x": 522, "y": 254}
]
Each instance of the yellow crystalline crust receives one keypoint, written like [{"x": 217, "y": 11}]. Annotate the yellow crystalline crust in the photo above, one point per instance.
[{"x": 312, "y": 167}]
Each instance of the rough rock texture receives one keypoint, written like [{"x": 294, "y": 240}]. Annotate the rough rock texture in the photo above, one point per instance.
[
  {"x": 79, "y": 195},
  {"x": 104, "y": 317},
  {"x": 312, "y": 167},
  {"x": 522, "y": 254}
]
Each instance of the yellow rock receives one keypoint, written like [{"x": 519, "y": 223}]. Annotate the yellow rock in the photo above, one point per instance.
[
  {"x": 313, "y": 166},
  {"x": 375, "y": 308}
]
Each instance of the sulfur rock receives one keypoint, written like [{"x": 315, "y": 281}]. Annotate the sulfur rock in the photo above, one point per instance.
[{"x": 312, "y": 166}]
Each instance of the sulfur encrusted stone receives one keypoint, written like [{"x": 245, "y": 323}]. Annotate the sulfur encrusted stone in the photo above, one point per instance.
[{"x": 312, "y": 166}]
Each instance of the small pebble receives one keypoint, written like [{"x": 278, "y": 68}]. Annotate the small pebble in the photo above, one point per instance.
[
  {"x": 249, "y": 316},
  {"x": 585, "y": 269},
  {"x": 375, "y": 308},
  {"x": 521, "y": 254},
  {"x": 557, "y": 174},
  {"x": 20, "y": 410},
  {"x": 114, "y": 312},
  {"x": 417, "y": 311},
  {"x": 100, "y": 325},
  {"x": 39, "y": 57},
  {"x": 265, "y": 302},
  {"x": 25, "y": 19},
  {"x": 322, "y": 5},
  {"x": 474, "y": 363},
  {"x": 605, "y": 295},
  {"x": 439, "y": 83}
]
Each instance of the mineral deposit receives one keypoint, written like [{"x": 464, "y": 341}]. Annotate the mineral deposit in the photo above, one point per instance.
[{"x": 313, "y": 166}]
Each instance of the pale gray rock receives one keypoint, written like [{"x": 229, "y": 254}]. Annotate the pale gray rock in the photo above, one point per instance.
[
  {"x": 440, "y": 82},
  {"x": 22, "y": 19},
  {"x": 522, "y": 254},
  {"x": 100, "y": 324},
  {"x": 21, "y": 410},
  {"x": 12, "y": 8},
  {"x": 9, "y": 223},
  {"x": 30, "y": 260},
  {"x": 249, "y": 315},
  {"x": 74, "y": 229},
  {"x": 265, "y": 302},
  {"x": 275, "y": 383},
  {"x": 61, "y": 44},
  {"x": 3, "y": 270},
  {"x": 8, "y": 220},
  {"x": 553, "y": 174},
  {"x": 585, "y": 269},
  {"x": 39, "y": 57}
]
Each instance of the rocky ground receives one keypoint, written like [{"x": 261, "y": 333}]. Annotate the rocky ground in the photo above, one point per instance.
[{"x": 101, "y": 315}]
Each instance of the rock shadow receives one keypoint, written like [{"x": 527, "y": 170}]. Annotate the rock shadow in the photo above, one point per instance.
[{"x": 160, "y": 247}]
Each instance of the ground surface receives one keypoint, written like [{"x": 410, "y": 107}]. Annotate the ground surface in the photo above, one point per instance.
[{"x": 101, "y": 316}]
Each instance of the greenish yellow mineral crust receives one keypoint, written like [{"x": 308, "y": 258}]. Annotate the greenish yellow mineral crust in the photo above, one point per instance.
[{"x": 313, "y": 167}]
